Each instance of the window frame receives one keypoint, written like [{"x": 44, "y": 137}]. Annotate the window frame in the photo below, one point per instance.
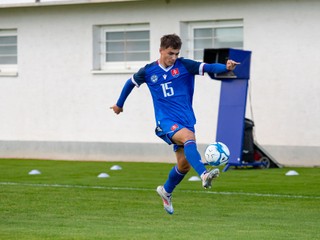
[
  {"x": 9, "y": 69},
  {"x": 104, "y": 66},
  {"x": 213, "y": 24}
]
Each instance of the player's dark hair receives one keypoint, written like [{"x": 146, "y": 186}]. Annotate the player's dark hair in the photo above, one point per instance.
[{"x": 170, "y": 40}]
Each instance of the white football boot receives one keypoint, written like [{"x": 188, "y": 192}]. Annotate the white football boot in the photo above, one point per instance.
[
  {"x": 208, "y": 177},
  {"x": 166, "y": 199}
]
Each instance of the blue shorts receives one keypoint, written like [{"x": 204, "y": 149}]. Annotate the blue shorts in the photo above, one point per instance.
[{"x": 166, "y": 129}]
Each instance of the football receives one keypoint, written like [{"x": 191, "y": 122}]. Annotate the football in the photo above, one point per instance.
[{"x": 217, "y": 154}]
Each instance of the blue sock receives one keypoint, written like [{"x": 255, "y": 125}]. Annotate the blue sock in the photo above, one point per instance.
[
  {"x": 174, "y": 178},
  {"x": 193, "y": 156}
]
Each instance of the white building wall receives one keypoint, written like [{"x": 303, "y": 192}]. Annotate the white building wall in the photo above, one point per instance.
[
  {"x": 285, "y": 82},
  {"x": 56, "y": 97}
]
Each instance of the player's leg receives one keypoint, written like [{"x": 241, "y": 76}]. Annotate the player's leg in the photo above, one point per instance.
[
  {"x": 187, "y": 138},
  {"x": 186, "y": 155},
  {"x": 176, "y": 175},
  {"x": 178, "y": 172},
  {"x": 183, "y": 164}
]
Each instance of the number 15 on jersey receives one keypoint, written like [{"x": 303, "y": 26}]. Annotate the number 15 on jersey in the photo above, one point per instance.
[{"x": 167, "y": 89}]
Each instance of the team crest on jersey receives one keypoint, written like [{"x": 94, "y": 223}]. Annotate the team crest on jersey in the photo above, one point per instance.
[
  {"x": 154, "y": 78},
  {"x": 175, "y": 72},
  {"x": 174, "y": 127}
]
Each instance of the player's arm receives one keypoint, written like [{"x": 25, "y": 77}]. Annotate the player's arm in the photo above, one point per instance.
[
  {"x": 200, "y": 68},
  {"x": 126, "y": 90},
  {"x": 214, "y": 68},
  {"x": 220, "y": 68},
  {"x": 135, "y": 81}
]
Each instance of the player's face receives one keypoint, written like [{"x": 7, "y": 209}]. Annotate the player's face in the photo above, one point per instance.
[{"x": 168, "y": 56}]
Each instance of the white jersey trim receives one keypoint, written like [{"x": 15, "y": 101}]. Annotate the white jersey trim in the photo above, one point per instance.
[
  {"x": 134, "y": 82},
  {"x": 201, "y": 69},
  {"x": 165, "y": 69}
]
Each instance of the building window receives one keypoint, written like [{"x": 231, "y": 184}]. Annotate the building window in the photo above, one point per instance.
[
  {"x": 8, "y": 50},
  {"x": 213, "y": 34},
  {"x": 123, "y": 47}
]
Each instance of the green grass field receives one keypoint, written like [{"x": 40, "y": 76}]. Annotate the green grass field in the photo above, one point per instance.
[{"x": 69, "y": 201}]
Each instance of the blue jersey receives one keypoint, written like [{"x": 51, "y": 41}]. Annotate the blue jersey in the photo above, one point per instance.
[{"x": 171, "y": 89}]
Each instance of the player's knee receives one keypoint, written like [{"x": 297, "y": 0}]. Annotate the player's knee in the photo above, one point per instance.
[
  {"x": 183, "y": 136},
  {"x": 183, "y": 166},
  {"x": 189, "y": 135},
  {"x": 184, "y": 169}
]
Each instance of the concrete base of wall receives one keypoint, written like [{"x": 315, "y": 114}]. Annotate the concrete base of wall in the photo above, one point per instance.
[{"x": 139, "y": 152}]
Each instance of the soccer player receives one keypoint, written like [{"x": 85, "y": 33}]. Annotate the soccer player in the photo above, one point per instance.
[{"x": 170, "y": 80}]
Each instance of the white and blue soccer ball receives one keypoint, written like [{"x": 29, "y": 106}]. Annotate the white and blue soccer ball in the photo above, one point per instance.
[{"x": 217, "y": 154}]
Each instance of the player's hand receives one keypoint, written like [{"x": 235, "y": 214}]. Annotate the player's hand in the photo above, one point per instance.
[
  {"x": 116, "y": 109},
  {"x": 231, "y": 65}
]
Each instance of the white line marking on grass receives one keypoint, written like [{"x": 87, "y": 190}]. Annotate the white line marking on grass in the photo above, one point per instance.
[
  {"x": 257, "y": 194},
  {"x": 148, "y": 189}
]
